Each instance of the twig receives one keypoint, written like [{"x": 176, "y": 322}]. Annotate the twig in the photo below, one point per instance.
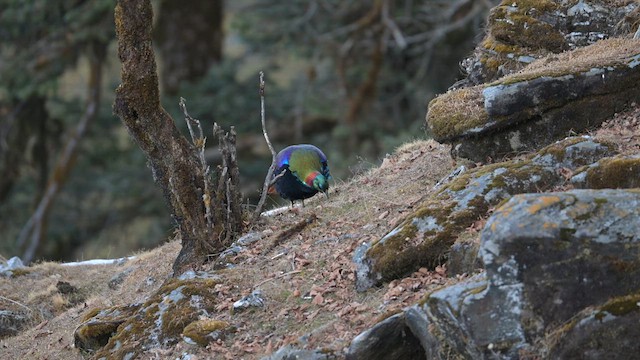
[
  {"x": 15, "y": 302},
  {"x": 277, "y": 277},
  {"x": 199, "y": 141},
  {"x": 267, "y": 180}
]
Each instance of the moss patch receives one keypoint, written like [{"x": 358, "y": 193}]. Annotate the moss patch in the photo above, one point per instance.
[
  {"x": 456, "y": 111},
  {"x": 614, "y": 173},
  {"x": 163, "y": 317},
  {"x": 619, "y": 306},
  {"x": 202, "y": 332},
  {"x": 99, "y": 325},
  {"x": 514, "y": 25}
]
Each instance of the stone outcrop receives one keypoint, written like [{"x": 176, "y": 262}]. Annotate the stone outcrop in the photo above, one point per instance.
[
  {"x": 562, "y": 281},
  {"x": 571, "y": 92},
  {"x": 424, "y": 238},
  {"x": 519, "y": 32}
]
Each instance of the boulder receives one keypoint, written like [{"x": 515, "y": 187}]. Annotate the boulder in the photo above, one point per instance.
[
  {"x": 425, "y": 236},
  {"x": 547, "y": 257},
  {"x": 571, "y": 92},
  {"x": 463, "y": 257}
]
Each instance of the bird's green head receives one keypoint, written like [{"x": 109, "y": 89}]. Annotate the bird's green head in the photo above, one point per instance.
[
  {"x": 317, "y": 181},
  {"x": 320, "y": 183}
]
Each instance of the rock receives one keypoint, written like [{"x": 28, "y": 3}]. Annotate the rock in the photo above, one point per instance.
[
  {"x": 425, "y": 236},
  {"x": 598, "y": 333},
  {"x": 117, "y": 279},
  {"x": 573, "y": 91},
  {"x": 66, "y": 288},
  {"x": 8, "y": 268},
  {"x": 12, "y": 322},
  {"x": 124, "y": 331},
  {"x": 547, "y": 257},
  {"x": 519, "y": 32},
  {"x": 292, "y": 353},
  {"x": 619, "y": 172},
  {"x": 420, "y": 325},
  {"x": 225, "y": 259},
  {"x": 463, "y": 257},
  {"x": 254, "y": 299},
  {"x": 388, "y": 339},
  {"x": 99, "y": 325}
]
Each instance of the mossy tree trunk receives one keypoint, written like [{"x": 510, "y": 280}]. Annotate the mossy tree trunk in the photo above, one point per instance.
[{"x": 173, "y": 160}]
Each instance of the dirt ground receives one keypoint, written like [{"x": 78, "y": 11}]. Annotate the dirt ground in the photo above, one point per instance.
[{"x": 307, "y": 279}]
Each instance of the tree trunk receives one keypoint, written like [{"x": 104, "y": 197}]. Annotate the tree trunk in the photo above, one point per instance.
[
  {"x": 189, "y": 39},
  {"x": 173, "y": 160}
]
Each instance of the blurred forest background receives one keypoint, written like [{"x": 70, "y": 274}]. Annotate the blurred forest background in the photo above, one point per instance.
[{"x": 353, "y": 77}]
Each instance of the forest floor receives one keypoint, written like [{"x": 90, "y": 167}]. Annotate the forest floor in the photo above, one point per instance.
[{"x": 307, "y": 278}]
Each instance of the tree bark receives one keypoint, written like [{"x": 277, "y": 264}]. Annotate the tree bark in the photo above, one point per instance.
[{"x": 173, "y": 160}]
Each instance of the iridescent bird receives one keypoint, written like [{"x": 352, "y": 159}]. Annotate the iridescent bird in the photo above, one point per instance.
[{"x": 301, "y": 172}]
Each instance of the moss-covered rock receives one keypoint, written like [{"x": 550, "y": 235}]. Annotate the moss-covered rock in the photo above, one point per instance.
[
  {"x": 424, "y": 238},
  {"x": 574, "y": 91},
  {"x": 121, "y": 332},
  {"x": 202, "y": 332},
  {"x": 600, "y": 332},
  {"x": 618, "y": 172},
  {"x": 99, "y": 325},
  {"x": 521, "y": 31},
  {"x": 561, "y": 266}
]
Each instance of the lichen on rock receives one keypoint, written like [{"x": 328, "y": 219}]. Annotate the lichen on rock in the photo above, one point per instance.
[
  {"x": 425, "y": 236},
  {"x": 121, "y": 332}
]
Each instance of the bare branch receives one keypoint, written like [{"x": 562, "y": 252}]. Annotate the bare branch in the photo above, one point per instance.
[
  {"x": 267, "y": 179},
  {"x": 392, "y": 26},
  {"x": 200, "y": 141}
]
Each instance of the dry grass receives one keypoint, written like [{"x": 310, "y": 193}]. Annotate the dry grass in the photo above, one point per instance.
[
  {"x": 457, "y": 111},
  {"x": 609, "y": 52},
  {"x": 623, "y": 130},
  {"x": 307, "y": 280}
]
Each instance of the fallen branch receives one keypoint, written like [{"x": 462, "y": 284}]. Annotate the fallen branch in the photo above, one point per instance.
[
  {"x": 276, "y": 277},
  {"x": 286, "y": 234},
  {"x": 16, "y": 303}
]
